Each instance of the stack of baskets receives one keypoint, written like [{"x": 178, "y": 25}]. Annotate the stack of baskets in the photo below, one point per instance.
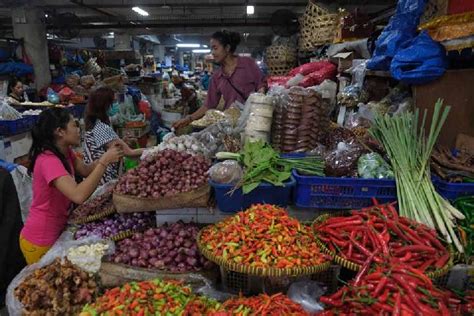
[
  {"x": 280, "y": 59},
  {"x": 318, "y": 27}
]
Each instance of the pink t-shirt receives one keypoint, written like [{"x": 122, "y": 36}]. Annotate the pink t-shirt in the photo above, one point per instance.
[{"x": 49, "y": 208}]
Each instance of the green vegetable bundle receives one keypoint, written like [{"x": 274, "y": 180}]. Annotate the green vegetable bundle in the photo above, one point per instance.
[
  {"x": 409, "y": 151},
  {"x": 262, "y": 163}
]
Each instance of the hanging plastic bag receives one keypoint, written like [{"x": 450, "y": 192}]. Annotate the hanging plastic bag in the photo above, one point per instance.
[
  {"x": 24, "y": 189},
  {"x": 420, "y": 61},
  {"x": 400, "y": 29},
  {"x": 52, "y": 96}
]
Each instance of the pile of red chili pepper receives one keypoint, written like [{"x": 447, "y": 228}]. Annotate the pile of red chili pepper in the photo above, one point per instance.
[
  {"x": 395, "y": 289},
  {"x": 156, "y": 297},
  {"x": 275, "y": 305},
  {"x": 263, "y": 236},
  {"x": 379, "y": 230}
]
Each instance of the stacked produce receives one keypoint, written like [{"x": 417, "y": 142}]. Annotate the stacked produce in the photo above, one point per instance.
[
  {"x": 100, "y": 204},
  {"x": 275, "y": 305},
  {"x": 88, "y": 257},
  {"x": 168, "y": 247},
  {"x": 259, "y": 122},
  {"x": 279, "y": 114},
  {"x": 395, "y": 289},
  {"x": 453, "y": 168},
  {"x": 305, "y": 123},
  {"x": 409, "y": 152},
  {"x": 116, "y": 223},
  {"x": 263, "y": 236},
  {"x": 379, "y": 232},
  {"x": 165, "y": 174},
  {"x": 262, "y": 163},
  {"x": 156, "y": 297},
  {"x": 59, "y": 288}
]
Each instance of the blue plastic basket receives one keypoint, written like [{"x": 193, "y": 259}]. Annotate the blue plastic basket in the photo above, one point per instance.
[
  {"x": 341, "y": 193},
  {"x": 14, "y": 127},
  {"x": 451, "y": 191},
  {"x": 264, "y": 193}
]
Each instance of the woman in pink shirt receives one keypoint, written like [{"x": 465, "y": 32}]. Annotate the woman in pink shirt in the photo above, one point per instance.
[
  {"x": 53, "y": 165},
  {"x": 235, "y": 80}
]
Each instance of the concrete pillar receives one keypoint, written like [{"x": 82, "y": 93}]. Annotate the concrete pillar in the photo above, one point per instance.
[
  {"x": 159, "y": 52},
  {"x": 28, "y": 25},
  {"x": 181, "y": 57}
]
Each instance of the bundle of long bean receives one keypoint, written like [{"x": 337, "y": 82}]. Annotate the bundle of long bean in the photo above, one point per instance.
[{"x": 409, "y": 151}]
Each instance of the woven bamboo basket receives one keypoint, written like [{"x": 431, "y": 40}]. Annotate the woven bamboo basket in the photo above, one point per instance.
[
  {"x": 356, "y": 267},
  {"x": 280, "y": 59},
  {"x": 318, "y": 27},
  {"x": 259, "y": 271},
  {"x": 108, "y": 210}
]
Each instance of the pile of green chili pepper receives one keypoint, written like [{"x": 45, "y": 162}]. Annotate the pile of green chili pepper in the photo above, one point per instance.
[
  {"x": 263, "y": 236},
  {"x": 466, "y": 227},
  {"x": 392, "y": 289},
  {"x": 156, "y": 297}
]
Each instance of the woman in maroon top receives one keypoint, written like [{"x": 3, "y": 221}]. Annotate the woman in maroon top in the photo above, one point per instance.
[{"x": 235, "y": 80}]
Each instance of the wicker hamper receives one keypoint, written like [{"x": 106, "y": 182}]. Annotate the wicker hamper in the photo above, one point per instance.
[
  {"x": 318, "y": 26},
  {"x": 280, "y": 59}
]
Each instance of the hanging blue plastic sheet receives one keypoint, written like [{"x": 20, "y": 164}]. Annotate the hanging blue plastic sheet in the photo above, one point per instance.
[
  {"x": 419, "y": 61},
  {"x": 16, "y": 69},
  {"x": 400, "y": 29}
]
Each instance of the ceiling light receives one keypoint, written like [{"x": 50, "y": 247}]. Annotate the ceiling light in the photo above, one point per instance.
[
  {"x": 46, "y": 15},
  {"x": 188, "y": 45},
  {"x": 205, "y": 46},
  {"x": 140, "y": 11},
  {"x": 201, "y": 51},
  {"x": 250, "y": 9}
]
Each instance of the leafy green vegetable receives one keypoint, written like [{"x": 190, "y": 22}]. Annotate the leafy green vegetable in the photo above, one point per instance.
[{"x": 262, "y": 163}]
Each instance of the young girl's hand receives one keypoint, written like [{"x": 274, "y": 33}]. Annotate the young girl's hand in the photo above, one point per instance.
[{"x": 113, "y": 154}]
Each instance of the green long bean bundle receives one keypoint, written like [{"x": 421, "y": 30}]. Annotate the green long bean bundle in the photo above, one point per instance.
[{"x": 409, "y": 150}]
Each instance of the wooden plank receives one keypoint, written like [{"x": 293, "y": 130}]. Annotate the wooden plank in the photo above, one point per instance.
[{"x": 456, "y": 88}]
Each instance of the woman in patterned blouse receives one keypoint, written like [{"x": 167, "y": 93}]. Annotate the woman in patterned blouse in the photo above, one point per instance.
[{"x": 99, "y": 135}]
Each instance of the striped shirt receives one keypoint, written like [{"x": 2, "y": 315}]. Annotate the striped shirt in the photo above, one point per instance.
[{"x": 95, "y": 141}]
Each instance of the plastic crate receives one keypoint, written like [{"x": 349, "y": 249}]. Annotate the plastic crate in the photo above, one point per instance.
[
  {"x": 236, "y": 282},
  {"x": 341, "y": 193},
  {"x": 265, "y": 193},
  {"x": 15, "y": 127},
  {"x": 77, "y": 110},
  {"x": 451, "y": 191}
]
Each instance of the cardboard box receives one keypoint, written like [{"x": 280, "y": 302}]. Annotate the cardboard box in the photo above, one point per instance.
[{"x": 343, "y": 60}]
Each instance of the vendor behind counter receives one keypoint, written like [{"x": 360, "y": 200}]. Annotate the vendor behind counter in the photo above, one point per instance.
[{"x": 16, "y": 93}]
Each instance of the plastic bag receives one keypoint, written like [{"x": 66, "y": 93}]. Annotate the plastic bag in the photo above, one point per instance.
[
  {"x": 277, "y": 81},
  {"x": 419, "y": 61},
  {"x": 294, "y": 81},
  {"x": 373, "y": 166},
  {"x": 327, "y": 71},
  {"x": 342, "y": 162},
  {"x": 7, "y": 112},
  {"x": 307, "y": 293},
  {"x": 52, "y": 96},
  {"x": 400, "y": 29},
  {"x": 226, "y": 172},
  {"x": 59, "y": 250},
  {"x": 24, "y": 189},
  {"x": 309, "y": 68}
]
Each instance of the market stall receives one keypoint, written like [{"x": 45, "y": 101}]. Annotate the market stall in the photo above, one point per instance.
[{"x": 325, "y": 188}]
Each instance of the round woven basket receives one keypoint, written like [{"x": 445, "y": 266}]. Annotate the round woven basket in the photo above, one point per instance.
[
  {"x": 108, "y": 210},
  {"x": 318, "y": 26},
  {"x": 280, "y": 59},
  {"x": 259, "y": 271},
  {"x": 356, "y": 267}
]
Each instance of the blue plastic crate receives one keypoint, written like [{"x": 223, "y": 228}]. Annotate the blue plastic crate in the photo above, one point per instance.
[
  {"x": 341, "y": 193},
  {"x": 451, "y": 191},
  {"x": 264, "y": 193},
  {"x": 14, "y": 127}
]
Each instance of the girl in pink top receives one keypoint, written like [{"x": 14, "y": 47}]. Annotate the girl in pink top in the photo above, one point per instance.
[
  {"x": 53, "y": 165},
  {"x": 236, "y": 79}
]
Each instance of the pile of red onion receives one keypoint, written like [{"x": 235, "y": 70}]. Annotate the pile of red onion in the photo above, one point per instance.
[
  {"x": 168, "y": 247},
  {"x": 167, "y": 173}
]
